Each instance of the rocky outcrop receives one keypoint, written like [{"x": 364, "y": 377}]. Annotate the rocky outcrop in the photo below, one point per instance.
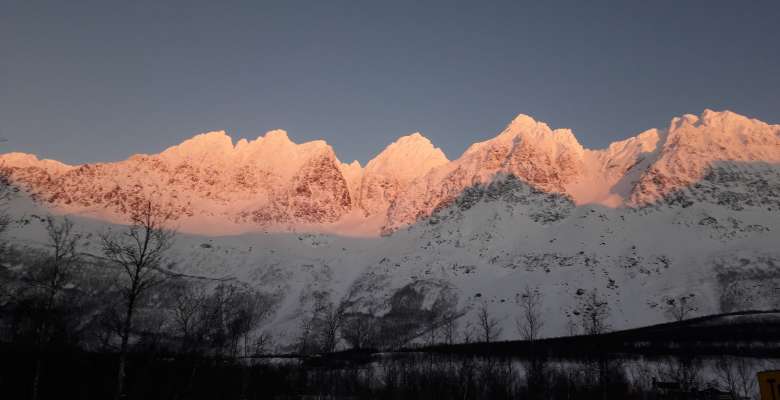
[{"x": 271, "y": 183}]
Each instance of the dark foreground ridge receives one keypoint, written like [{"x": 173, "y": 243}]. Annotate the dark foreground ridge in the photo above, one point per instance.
[
  {"x": 665, "y": 361},
  {"x": 754, "y": 333}
]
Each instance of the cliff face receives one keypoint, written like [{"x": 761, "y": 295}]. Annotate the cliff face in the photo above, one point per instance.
[
  {"x": 699, "y": 148},
  {"x": 271, "y": 183}
]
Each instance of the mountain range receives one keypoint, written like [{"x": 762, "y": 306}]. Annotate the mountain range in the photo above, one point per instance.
[
  {"x": 272, "y": 184},
  {"x": 691, "y": 210}
]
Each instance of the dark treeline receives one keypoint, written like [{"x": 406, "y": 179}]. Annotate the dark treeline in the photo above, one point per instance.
[
  {"x": 361, "y": 375},
  {"x": 745, "y": 333},
  {"x": 156, "y": 376}
]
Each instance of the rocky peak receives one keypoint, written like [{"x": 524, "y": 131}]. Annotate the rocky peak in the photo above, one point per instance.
[
  {"x": 353, "y": 173},
  {"x": 406, "y": 158},
  {"x": 523, "y": 128},
  {"x": 543, "y": 158},
  {"x": 695, "y": 143},
  {"x": 203, "y": 143},
  {"x": 25, "y": 160},
  {"x": 392, "y": 170},
  {"x": 273, "y": 182}
]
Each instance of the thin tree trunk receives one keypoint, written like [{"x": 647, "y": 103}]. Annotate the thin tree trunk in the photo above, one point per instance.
[
  {"x": 120, "y": 375},
  {"x": 36, "y": 377},
  {"x": 38, "y": 361},
  {"x": 40, "y": 345}
]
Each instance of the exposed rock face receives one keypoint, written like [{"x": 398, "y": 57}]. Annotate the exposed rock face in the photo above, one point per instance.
[
  {"x": 320, "y": 192},
  {"x": 643, "y": 221},
  {"x": 266, "y": 183},
  {"x": 271, "y": 183},
  {"x": 390, "y": 173},
  {"x": 545, "y": 159},
  {"x": 717, "y": 143}
]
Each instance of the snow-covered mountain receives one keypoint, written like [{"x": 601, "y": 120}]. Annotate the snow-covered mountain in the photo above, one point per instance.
[
  {"x": 273, "y": 184},
  {"x": 692, "y": 209},
  {"x": 634, "y": 172},
  {"x": 217, "y": 187}
]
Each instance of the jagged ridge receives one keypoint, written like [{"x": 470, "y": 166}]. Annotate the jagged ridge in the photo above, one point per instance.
[{"x": 271, "y": 183}]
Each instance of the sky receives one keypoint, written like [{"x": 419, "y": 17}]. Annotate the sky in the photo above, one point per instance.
[{"x": 88, "y": 81}]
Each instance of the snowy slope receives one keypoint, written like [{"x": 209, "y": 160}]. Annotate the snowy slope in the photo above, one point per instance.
[{"x": 693, "y": 209}]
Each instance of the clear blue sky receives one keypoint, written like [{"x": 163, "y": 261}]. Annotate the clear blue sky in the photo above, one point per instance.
[{"x": 85, "y": 81}]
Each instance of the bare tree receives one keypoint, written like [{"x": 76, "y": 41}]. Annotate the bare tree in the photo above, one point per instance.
[
  {"x": 449, "y": 328},
  {"x": 222, "y": 321},
  {"x": 304, "y": 342},
  {"x": 467, "y": 334},
  {"x": 441, "y": 325},
  {"x": 331, "y": 319},
  {"x": 737, "y": 374},
  {"x": 322, "y": 325},
  {"x": 359, "y": 330},
  {"x": 571, "y": 326},
  {"x": 49, "y": 280},
  {"x": 189, "y": 315},
  {"x": 594, "y": 314},
  {"x": 680, "y": 308},
  {"x": 227, "y": 319},
  {"x": 682, "y": 370},
  {"x": 264, "y": 343},
  {"x": 232, "y": 313},
  {"x": 529, "y": 322},
  {"x": 139, "y": 251},
  {"x": 489, "y": 327},
  {"x": 529, "y": 325},
  {"x": 249, "y": 308}
]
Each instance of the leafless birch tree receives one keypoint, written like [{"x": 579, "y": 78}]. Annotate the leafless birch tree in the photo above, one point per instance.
[{"x": 139, "y": 251}]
